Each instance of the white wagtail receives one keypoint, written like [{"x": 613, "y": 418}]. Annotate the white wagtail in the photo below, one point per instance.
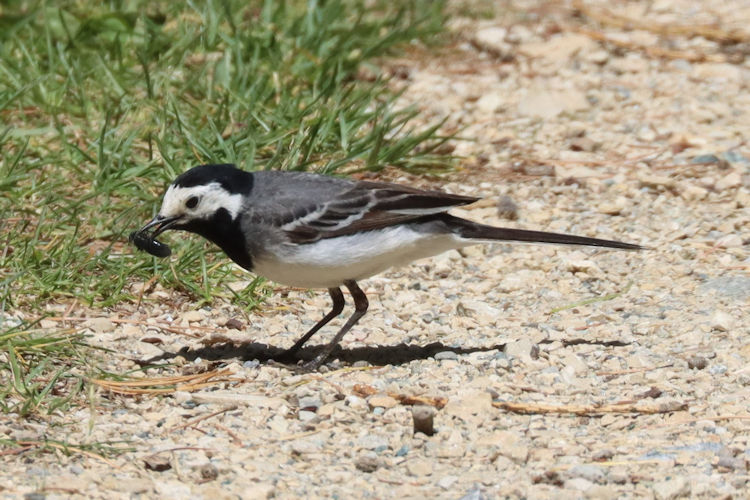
[{"x": 313, "y": 231}]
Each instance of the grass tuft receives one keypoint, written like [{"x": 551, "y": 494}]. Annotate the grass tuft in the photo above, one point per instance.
[
  {"x": 40, "y": 373},
  {"x": 96, "y": 450}
]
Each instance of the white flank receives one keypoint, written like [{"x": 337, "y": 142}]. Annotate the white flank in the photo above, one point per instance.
[{"x": 329, "y": 262}]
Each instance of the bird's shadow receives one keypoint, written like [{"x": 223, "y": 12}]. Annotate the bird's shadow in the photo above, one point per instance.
[{"x": 376, "y": 355}]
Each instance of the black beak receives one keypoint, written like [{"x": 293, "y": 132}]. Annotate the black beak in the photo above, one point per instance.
[
  {"x": 161, "y": 224},
  {"x": 148, "y": 242}
]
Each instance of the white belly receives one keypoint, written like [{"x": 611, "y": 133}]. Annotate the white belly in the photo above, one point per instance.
[{"x": 329, "y": 262}]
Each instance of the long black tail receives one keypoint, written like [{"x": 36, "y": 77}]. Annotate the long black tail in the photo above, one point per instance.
[{"x": 469, "y": 229}]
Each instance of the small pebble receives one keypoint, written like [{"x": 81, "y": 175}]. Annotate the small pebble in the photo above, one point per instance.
[
  {"x": 423, "y": 417},
  {"x": 578, "y": 484},
  {"x": 208, "y": 472},
  {"x": 356, "y": 401},
  {"x": 382, "y": 401},
  {"x": 670, "y": 489},
  {"x": 730, "y": 241},
  {"x": 445, "y": 355},
  {"x": 419, "y": 467},
  {"x": 310, "y": 403},
  {"x": 502, "y": 361},
  {"x": 593, "y": 473},
  {"x": 192, "y": 316},
  {"x": 602, "y": 455},
  {"x": 507, "y": 208},
  {"x": 252, "y": 364},
  {"x": 234, "y": 323},
  {"x": 697, "y": 363},
  {"x": 584, "y": 144},
  {"x": 446, "y": 482},
  {"x": 306, "y": 416},
  {"x": 474, "y": 494},
  {"x": 717, "y": 369},
  {"x": 705, "y": 158},
  {"x": 722, "y": 321},
  {"x": 158, "y": 463},
  {"x": 403, "y": 451},
  {"x": 100, "y": 325},
  {"x": 729, "y": 181},
  {"x": 189, "y": 404},
  {"x": 522, "y": 349},
  {"x": 367, "y": 462}
]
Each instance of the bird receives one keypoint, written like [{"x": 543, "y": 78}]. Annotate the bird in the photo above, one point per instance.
[{"x": 310, "y": 230}]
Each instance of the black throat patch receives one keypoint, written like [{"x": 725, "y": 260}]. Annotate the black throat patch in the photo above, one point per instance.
[{"x": 224, "y": 232}]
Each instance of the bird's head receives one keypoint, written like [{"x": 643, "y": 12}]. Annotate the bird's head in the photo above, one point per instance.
[{"x": 201, "y": 200}]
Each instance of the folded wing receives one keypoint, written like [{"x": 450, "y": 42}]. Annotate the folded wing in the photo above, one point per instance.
[{"x": 368, "y": 206}]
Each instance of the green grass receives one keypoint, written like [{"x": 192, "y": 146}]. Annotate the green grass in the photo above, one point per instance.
[
  {"x": 103, "y": 107},
  {"x": 103, "y": 103},
  {"x": 41, "y": 372},
  {"x": 99, "y": 451}
]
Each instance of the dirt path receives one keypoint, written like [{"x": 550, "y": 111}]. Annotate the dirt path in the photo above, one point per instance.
[{"x": 643, "y": 356}]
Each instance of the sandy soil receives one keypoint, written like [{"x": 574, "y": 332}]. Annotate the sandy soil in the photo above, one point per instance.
[{"x": 578, "y": 123}]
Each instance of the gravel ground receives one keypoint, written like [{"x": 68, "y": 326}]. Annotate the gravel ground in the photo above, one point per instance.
[{"x": 644, "y": 355}]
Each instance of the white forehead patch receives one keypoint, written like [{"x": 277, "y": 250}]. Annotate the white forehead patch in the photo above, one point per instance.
[{"x": 212, "y": 197}]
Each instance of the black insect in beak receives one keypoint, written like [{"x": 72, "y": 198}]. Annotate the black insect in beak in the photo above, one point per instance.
[{"x": 147, "y": 241}]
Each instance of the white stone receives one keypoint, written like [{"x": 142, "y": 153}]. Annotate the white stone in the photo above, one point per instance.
[
  {"x": 419, "y": 467},
  {"x": 677, "y": 487},
  {"x": 691, "y": 192},
  {"x": 546, "y": 104},
  {"x": 743, "y": 198},
  {"x": 731, "y": 180},
  {"x": 575, "y": 172},
  {"x": 493, "y": 40},
  {"x": 720, "y": 71},
  {"x": 730, "y": 241},
  {"x": 560, "y": 48},
  {"x": 469, "y": 403},
  {"x": 172, "y": 489},
  {"x": 722, "y": 321},
  {"x": 579, "y": 483},
  {"x": 192, "y": 316},
  {"x": 490, "y": 102},
  {"x": 655, "y": 181},
  {"x": 519, "y": 349},
  {"x": 100, "y": 325}
]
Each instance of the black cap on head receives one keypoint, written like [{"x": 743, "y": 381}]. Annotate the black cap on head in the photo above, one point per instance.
[{"x": 231, "y": 178}]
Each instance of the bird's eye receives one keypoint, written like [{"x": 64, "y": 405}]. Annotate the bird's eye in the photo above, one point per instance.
[{"x": 192, "y": 202}]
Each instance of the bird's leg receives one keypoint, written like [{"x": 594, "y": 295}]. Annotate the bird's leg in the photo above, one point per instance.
[
  {"x": 338, "y": 306},
  {"x": 360, "y": 308}
]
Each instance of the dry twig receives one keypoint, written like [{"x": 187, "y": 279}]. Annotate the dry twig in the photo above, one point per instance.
[
  {"x": 692, "y": 56},
  {"x": 201, "y": 418},
  {"x": 590, "y": 409},
  {"x": 608, "y": 18},
  {"x": 367, "y": 390},
  {"x": 165, "y": 385}
]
